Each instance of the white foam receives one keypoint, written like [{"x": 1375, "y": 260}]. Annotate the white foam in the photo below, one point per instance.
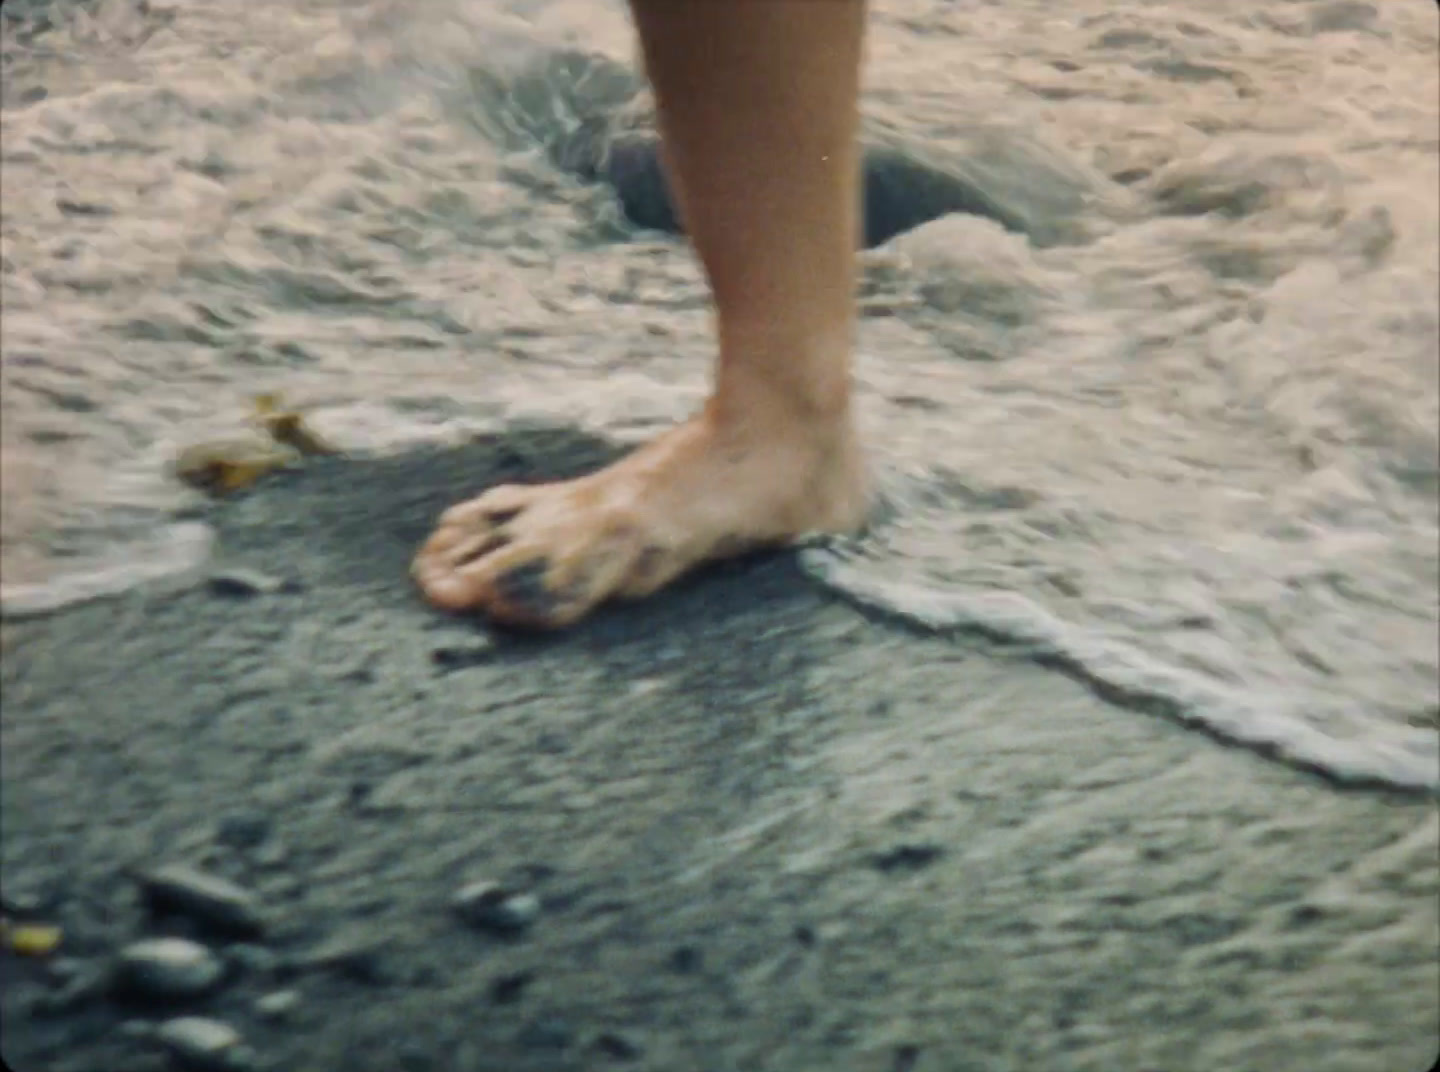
[
  {"x": 174, "y": 558},
  {"x": 1401, "y": 757}
]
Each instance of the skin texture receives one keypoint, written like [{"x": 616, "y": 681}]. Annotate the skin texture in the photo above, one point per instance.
[{"x": 773, "y": 455}]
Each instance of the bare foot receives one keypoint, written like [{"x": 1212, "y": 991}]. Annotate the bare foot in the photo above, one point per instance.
[{"x": 545, "y": 555}]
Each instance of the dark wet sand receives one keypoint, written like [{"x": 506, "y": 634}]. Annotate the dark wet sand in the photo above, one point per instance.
[{"x": 767, "y": 832}]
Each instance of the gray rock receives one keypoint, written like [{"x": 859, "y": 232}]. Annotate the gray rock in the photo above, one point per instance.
[
  {"x": 911, "y": 856},
  {"x": 243, "y": 829},
  {"x": 460, "y": 654},
  {"x": 253, "y": 959},
  {"x": 207, "y": 899},
  {"x": 489, "y": 906},
  {"x": 168, "y": 968},
  {"x": 240, "y": 583},
  {"x": 137, "y": 1029},
  {"x": 357, "y": 955},
  {"x": 618, "y": 1046},
  {"x": 277, "y": 1005},
  {"x": 509, "y": 988},
  {"x": 546, "y": 1033},
  {"x": 203, "y": 1045},
  {"x": 82, "y": 983}
]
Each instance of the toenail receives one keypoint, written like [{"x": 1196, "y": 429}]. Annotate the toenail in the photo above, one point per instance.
[{"x": 525, "y": 587}]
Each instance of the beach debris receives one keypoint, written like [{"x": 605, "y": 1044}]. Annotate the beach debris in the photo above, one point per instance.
[
  {"x": 29, "y": 939},
  {"x": 490, "y": 906},
  {"x": 287, "y": 427},
  {"x": 224, "y": 466},
  {"x": 167, "y": 968},
  {"x": 199, "y": 1044},
  {"x": 207, "y": 899}
]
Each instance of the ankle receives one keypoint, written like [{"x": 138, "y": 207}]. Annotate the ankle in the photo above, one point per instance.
[{"x": 802, "y": 379}]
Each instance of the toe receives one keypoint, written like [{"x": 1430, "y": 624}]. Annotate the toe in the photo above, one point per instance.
[
  {"x": 524, "y": 594},
  {"x": 511, "y": 585},
  {"x": 495, "y": 507},
  {"x": 475, "y": 546}
]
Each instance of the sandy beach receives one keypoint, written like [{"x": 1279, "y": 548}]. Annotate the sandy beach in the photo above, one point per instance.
[
  {"x": 764, "y": 831},
  {"x": 1112, "y": 746}
]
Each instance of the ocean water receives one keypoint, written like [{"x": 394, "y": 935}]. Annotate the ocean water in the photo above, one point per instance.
[{"x": 1176, "y": 430}]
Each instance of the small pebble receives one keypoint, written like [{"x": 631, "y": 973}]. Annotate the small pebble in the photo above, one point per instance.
[
  {"x": 277, "y": 1005},
  {"x": 207, "y": 899},
  {"x": 358, "y": 956},
  {"x": 618, "y": 1047},
  {"x": 86, "y": 983},
  {"x": 273, "y": 853},
  {"x": 137, "y": 1029},
  {"x": 243, "y": 829},
  {"x": 910, "y": 857},
  {"x": 461, "y": 654},
  {"x": 546, "y": 1033},
  {"x": 906, "y": 1057},
  {"x": 21, "y": 903},
  {"x": 167, "y": 968},
  {"x": 32, "y": 939},
  {"x": 203, "y": 1045},
  {"x": 60, "y": 970},
  {"x": 239, "y": 583},
  {"x": 491, "y": 907},
  {"x": 508, "y": 989},
  {"x": 253, "y": 959},
  {"x": 686, "y": 959}
]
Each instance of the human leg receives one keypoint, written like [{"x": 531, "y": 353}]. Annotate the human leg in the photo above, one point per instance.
[{"x": 758, "y": 108}]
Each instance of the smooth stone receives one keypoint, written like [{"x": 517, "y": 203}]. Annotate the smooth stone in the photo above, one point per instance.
[
  {"x": 907, "y": 857},
  {"x": 358, "y": 955},
  {"x": 207, "y": 899},
  {"x": 167, "y": 968},
  {"x": 618, "y": 1046},
  {"x": 472, "y": 651},
  {"x": 491, "y": 907},
  {"x": 85, "y": 983},
  {"x": 253, "y": 959},
  {"x": 240, "y": 583},
  {"x": 243, "y": 829},
  {"x": 546, "y": 1033},
  {"x": 277, "y": 1005},
  {"x": 204, "y": 1045},
  {"x": 508, "y": 989}
]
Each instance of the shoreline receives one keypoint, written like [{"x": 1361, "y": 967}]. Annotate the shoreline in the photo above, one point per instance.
[{"x": 764, "y": 830}]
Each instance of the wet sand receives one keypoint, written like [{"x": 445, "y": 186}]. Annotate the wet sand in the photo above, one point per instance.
[{"x": 766, "y": 831}]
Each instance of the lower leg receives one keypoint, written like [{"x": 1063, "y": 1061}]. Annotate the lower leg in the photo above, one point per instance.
[
  {"x": 758, "y": 108},
  {"x": 758, "y": 104}
]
